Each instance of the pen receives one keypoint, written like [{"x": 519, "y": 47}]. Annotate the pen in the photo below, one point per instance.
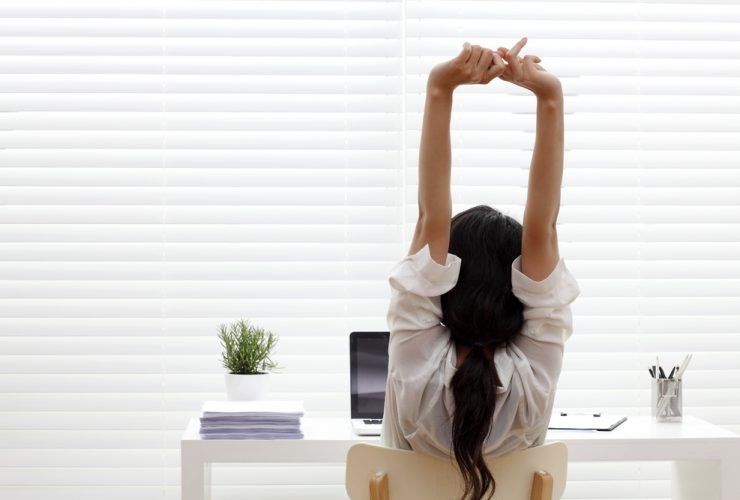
[
  {"x": 672, "y": 370},
  {"x": 684, "y": 365},
  {"x": 565, "y": 414}
]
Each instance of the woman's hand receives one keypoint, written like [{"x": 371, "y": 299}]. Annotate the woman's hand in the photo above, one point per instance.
[
  {"x": 526, "y": 72},
  {"x": 474, "y": 64}
]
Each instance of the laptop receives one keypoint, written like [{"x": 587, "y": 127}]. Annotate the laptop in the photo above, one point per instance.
[{"x": 368, "y": 374}]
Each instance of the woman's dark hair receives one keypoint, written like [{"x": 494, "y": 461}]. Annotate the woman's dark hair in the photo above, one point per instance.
[{"x": 480, "y": 310}]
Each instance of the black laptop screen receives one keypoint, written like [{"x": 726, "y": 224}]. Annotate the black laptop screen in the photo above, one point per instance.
[{"x": 368, "y": 373}]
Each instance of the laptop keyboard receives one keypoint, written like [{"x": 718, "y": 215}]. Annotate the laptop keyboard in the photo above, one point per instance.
[{"x": 372, "y": 421}]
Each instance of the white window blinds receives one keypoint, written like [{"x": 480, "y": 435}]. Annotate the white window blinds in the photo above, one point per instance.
[{"x": 166, "y": 166}]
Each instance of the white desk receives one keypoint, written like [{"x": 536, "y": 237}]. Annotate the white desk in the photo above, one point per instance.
[{"x": 705, "y": 457}]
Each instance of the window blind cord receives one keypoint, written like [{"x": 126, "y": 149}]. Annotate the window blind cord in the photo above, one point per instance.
[
  {"x": 404, "y": 244},
  {"x": 639, "y": 224},
  {"x": 163, "y": 238},
  {"x": 345, "y": 166}
]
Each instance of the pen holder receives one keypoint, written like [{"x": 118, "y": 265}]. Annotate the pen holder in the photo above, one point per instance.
[{"x": 667, "y": 401}]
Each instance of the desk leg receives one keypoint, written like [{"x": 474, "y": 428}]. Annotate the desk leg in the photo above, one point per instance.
[
  {"x": 730, "y": 480},
  {"x": 696, "y": 480},
  {"x": 195, "y": 479},
  {"x": 207, "y": 481}
]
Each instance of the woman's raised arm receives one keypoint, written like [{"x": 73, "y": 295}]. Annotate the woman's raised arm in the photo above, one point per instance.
[
  {"x": 474, "y": 64},
  {"x": 540, "y": 252}
]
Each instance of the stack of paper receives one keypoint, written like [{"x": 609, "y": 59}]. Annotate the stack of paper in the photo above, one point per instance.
[{"x": 258, "y": 419}]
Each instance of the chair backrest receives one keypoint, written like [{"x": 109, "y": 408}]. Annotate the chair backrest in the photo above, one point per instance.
[{"x": 378, "y": 473}]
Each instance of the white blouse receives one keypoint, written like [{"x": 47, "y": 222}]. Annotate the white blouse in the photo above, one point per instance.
[{"x": 419, "y": 404}]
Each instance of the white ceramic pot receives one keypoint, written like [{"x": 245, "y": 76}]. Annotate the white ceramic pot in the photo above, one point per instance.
[{"x": 246, "y": 387}]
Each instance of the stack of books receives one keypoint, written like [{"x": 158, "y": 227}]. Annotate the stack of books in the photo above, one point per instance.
[{"x": 258, "y": 419}]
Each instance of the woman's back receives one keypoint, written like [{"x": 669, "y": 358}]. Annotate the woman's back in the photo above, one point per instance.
[{"x": 423, "y": 358}]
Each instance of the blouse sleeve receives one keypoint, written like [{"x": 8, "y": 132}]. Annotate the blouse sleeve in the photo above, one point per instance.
[
  {"x": 547, "y": 315},
  {"x": 548, "y": 324},
  {"x": 415, "y": 311}
]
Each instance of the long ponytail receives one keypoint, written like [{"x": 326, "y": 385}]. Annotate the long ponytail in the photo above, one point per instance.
[{"x": 474, "y": 388}]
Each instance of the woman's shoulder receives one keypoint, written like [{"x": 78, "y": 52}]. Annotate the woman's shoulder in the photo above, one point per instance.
[
  {"x": 420, "y": 274},
  {"x": 560, "y": 287}
]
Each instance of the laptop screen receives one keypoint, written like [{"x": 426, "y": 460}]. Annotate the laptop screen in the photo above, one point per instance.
[{"x": 368, "y": 354}]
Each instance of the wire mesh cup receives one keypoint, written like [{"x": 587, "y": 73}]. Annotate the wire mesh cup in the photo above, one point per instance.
[{"x": 667, "y": 401}]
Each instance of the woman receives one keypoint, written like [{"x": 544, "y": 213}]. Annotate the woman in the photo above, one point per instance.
[{"x": 480, "y": 308}]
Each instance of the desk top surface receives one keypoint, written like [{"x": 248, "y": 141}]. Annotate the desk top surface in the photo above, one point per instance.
[{"x": 640, "y": 428}]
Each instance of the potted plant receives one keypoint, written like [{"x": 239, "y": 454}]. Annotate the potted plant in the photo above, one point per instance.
[{"x": 246, "y": 355}]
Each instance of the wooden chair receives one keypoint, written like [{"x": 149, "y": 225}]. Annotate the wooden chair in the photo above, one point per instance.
[{"x": 378, "y": 473}]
